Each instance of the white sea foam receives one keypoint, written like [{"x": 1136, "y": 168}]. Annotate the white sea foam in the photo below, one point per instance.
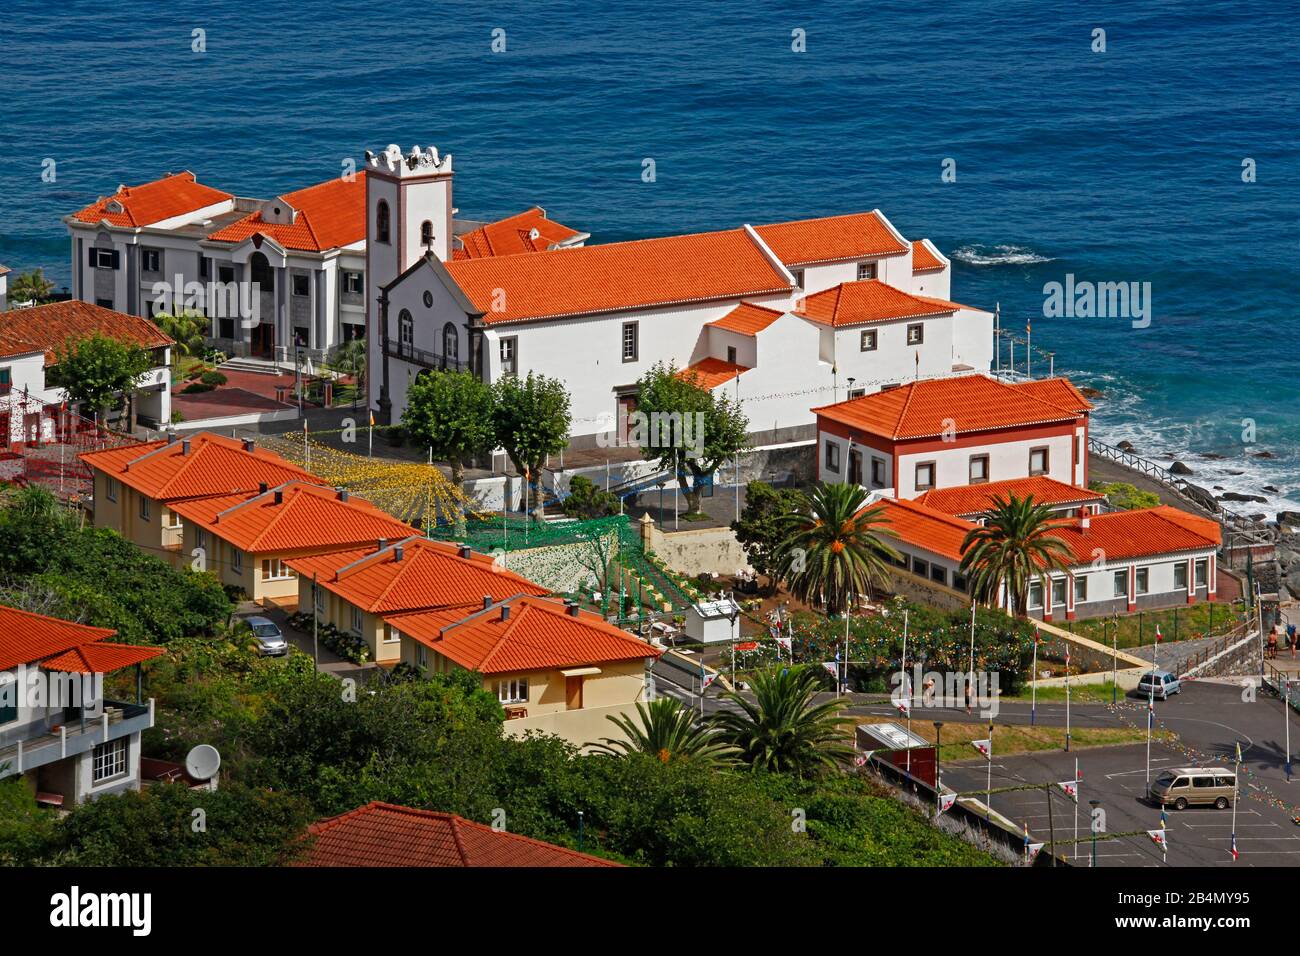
[{"x": 978, "y": 254}]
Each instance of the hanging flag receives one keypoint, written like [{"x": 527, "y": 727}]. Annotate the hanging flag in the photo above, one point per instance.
[
  {"x": 946, "y": 800},
  {"x": 1071, "y": 788},
  {"x": 862, "y": 759},
  {"x": 1026, "y": 825},
  {"x": 372, "y": 419},
  {"x": 984, "y": 746},
  {"x": 1158, "y": 838},
  {"x": 1164, "y": 818},
  {"x": 1067, "y": 656},
  {"x": 904, "y": 708},
  {"x": 707, "y": 680},
  {"x": 1234, "y": 847},
  {"x": 832, "y": 667},
  {"x": 785, "y": 642},
  {"x": 1239, "y": 751},
  {"x": 1159, "y": 636},
  {"x": 1031, "y": 850}
]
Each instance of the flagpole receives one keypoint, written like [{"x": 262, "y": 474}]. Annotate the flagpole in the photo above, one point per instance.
[
  {"x": 970, "y": 687},
  {"x": 1076, "y": 801},
  {"x": 1033, "y": 683},
  {"x": 910, "y": 690},
  {"x": 1067, "y": 699},
  {"x": 1151, "y": 703},
  {"x": 1286, "y": 718},
  {"x": 988, "y": 797},
  {"x": 1236, "y": 792}
]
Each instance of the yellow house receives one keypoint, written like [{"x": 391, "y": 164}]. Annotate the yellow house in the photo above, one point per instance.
[
  {"x": 354, "y": 590},
  {"x": 247, "y": 540},
  {"x": 553, "y": 666},
  {"x": 137, "y": 487}
]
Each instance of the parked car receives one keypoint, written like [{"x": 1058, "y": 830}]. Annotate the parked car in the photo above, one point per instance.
[
  {"x": 270, "y": 642},
  {"x": 1162, "y": 683},
  {"x": 1195, "y": 787}
]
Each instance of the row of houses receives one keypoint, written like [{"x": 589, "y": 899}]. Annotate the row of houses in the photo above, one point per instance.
[{"x": 937, "y": 456}]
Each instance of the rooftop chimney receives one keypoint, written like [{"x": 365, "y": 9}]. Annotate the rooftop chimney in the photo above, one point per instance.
[
  {"x": 573, "y": 610},
  {"x": 261, "y": 487},
  {"x": 383, "y": 543},
  {"x": 505, "y": 612},
  {"x": 279, "y": 496},
  {"x": 487, "y": 601},
  {"x": 171, "y": 438},
  {"x": 343, "y": 494},
  {"x": 466, "y": 551},
  {"x": 397, "y": 553},
  {"x": 249, "y": 444},
  {"x": 185, "y": 447},
  {"x": 1085, "y": 518}
]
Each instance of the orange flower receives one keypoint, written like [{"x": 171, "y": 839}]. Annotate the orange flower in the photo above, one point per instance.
[
  {"x": 837, "y": 546},
  {"x": 665, "y": 755}
]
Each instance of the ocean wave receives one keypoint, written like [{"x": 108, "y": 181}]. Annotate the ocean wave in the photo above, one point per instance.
[{"x": 1005, "y": 255}]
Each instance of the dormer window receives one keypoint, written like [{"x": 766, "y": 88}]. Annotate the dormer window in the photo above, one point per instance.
[{"x": 382, "y": 222}]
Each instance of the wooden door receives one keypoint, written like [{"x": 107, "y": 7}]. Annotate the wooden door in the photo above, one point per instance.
[{"x": 573, "y": 692}]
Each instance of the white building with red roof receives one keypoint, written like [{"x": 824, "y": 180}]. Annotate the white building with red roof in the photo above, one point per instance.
[{"x": 58, "y": 731}]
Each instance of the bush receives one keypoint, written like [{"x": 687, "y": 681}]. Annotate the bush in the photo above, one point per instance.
[
  {"x": 585, "y": 500},
  {"x": 194, "y": 388},
  {"x": 1125, "y": 496},
  {"x": 213, "y": 378}
]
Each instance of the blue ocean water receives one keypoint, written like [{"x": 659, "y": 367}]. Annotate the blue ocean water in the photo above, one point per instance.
[{"x": 1115, "y": 166}]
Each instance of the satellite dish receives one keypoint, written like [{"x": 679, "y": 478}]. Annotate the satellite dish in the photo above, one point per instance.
[{"x": 203, "y": 762}]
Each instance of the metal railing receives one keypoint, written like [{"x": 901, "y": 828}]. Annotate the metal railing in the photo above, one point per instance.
[{"x": 409, "y": 353}]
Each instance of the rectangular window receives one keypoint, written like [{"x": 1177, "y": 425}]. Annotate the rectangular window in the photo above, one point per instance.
[
  {"x": 421, "y": 656},
  {"x": 391, "y": 634},
  {"x": 857, "y": 392},
  {"x": 1058, "y": 591},
  {"x": 109, "y": 761},
  {"x": 301, "y": 285},
  {"x": 201, "y": 539},
  {"x": 1119, "y": 588},
  {"x": 979, "y": 469},
  {"x": 832, "y": 455},
  {"x": 798, "y": 277},
  {"x": 921, "y": 567},
  {"x": 938, "y": 573},
  {"x": 867, "y": 341},
  {"x": 226, "y": 274},
  {"x": 352, "y": 283},
  {"x": 8, "y": 699},
  {"x": 731, "y": 354},
  {"x": 1035, "y": 594},
  {"x": 1143, "y": 580},
  {"x": 1038, "y": 461},
  {"x": 171, "y": 520},
  {"x": 356, "y": 620},
  {"x": 274, "y": 569},
  {"x": 319, "y": 600},
  {"x": 237, "y": 560},
  {"x": 6, "y": 380},
  {"x": 150, "y": 260},
  {"x": 877, "y": 472},
  {"x": 104, "y": 303},
  {"x": 629, "y": 341},
  {"x": 513, "y": 691},
  {"x": 110, "y": 488},
  {"x": 103, "y": 258},
  {"x": 866, "y": 270},
  {"x": 1202, "y": 572},
  {"x": 924, "y": 475},
  {"x": 916, "y": 334},
  {"x": 1080, "y": 590},
  {"x": 1180, "y": 576},
  {"x": 959, "y": 583},
  {"x": 205, "y": 266},
  {"x": 509, "y": 356},
  {"x": 144, "y": 507}
]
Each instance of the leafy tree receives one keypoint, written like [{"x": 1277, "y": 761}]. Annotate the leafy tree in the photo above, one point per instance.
[
  {"x": 1013, "y": 547},
  {"x": 97, "y": 369},
  {"x": 451, "y": 414},
  {"x": 832, "y": 549},
  {"x": 28, "y": 833},
  {"x": 782, "y": 729},
  {"x": 188, "y": 328},
  {"x": 665, "y": 730},
  {"x": 586, "y": 500},
  {"x": 31, "y": 287},
  {"x": 761, "y": 525},
  {"x": 688, "y": 428},
  {"x": 1125, "y": 496},
  {"x": 531, "y": 420},
  {"x": 349, "y": 358}
]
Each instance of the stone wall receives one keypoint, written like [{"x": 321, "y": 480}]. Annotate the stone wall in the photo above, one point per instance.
[
  {"x": 698, "y": 550},
  {"x": 924, "y": 591}
]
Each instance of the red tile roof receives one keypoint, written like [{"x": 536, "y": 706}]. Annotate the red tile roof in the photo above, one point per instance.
[
  {"x": 1058, "y": 391},
  {"x": 711, "y": 372},
  {"x": 869, "y": 300},
  {"x": 527, "y": 231},
  {"x": 173, "y": 195},
  {"x": 968, "y": 500},
  {"x": 925, "y": 528},
  {"x": 329, "y": 215},
  {"x": 925, "y": 409},
  {"x": 831, "y": 238},
  {"x": 618, "y": 276},
  {"x": 100, "y": 658},
  {"x": 383, "y": 834},
  {"x": 923, "y": 260},
  {"x": 538, "y": 635},
  {"x": 216, "y": 465},
  {"x": 747, "y": 319},
  {"x": 431, "y": 574},
  {"x": 49, "y": 328},
  {"x": 1138, "y": 534},
  {"x": 308, "y": 517},
  {"x": 26, "y": 637}
]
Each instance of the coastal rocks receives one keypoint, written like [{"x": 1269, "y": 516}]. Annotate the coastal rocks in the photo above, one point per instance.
[
  {"x": 1238, "y": 496},
  {"x": 1126, "y": 445},
  {"x": 1272, "y": 489},
  {"x": 1202, "y": 497},
  {"x": 1178, "y": 468},
  {"x": 1212, "y": 456},
  {"x": 1263, "y": 454},
  {"x": 1288, "y": 519},
  {"x": 1089, "y": 392}
]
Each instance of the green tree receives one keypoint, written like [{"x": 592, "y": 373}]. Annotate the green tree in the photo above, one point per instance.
[
  {"x": 98, "y": 369},
  {"x": 586, "y": 500},
  {"x": 761, "y": 525},
  {"x": 1125, "y": 496},
  {"x": 187, "y": 328},
  {"x": 30, "y": 287},
  {"x": 833, "y": 549},
  {"x": 28, "y": 833},
  {"x": 782, "y": 729},
  {"x": 689, "y": 429},
  {"x": 349, "y": 358},
  {"x": 666, "y": 730},
  {"x": 1013, "y": 547},
  {"x": 531, "y": 421},
  {"x": 450, "y": 413}
]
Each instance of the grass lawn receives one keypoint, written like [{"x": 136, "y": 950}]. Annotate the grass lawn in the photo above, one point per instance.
[
  {"x": 1010, "y": 739},
  {"x": 1079, "y": 694},
  {"x": 1176, "y": 624}
]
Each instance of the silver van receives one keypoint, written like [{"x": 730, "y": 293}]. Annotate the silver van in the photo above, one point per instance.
[{"x": 1195, "y": 787}]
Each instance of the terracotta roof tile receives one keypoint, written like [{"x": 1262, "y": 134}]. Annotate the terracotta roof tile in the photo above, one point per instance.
[
  {"x": 711, "y": 372},
  {"x": 383, "y": 834},
  {"x": 100, "y": 658},
  {"x": 1141, "y": 533},
  {"x": 215, "y": 465},
  {"x": 967, "y": 500},
  {"x": 923, "y": 260},
  {"x": 855, "y": 236},
  {"x": 431, "y": 574},
  {"x": 329, "y": 215},
  {"x": 527, "y": 231},
  {"x": 26, "y": 637},
  {"x": 49, "y": 328},
  {"x": 924, "y": 409},
  {"x": 538, "y": 635},
  {"x": 1058, "y": 391},
  {"x": 926, "y": 528},
  {"x": 869, "y": 300},
  {"x": 747, "y": 319},
  {"x": 618, "y": 276},
  {"x": 142, "y": 205}
]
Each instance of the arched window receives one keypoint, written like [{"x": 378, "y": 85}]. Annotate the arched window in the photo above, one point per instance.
[
  {"x": 426, "y": 234},
  {"x": 382, "y": 221},
  {"x": 260, "y": 271},
  {"x": 450, "y": 347},
  {"x": 405, "y": 332}
]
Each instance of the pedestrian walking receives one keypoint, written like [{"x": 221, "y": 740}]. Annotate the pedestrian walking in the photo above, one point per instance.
[
  {"x": 1272, "y": 642},
  {"x": 1290, "y": 638}
]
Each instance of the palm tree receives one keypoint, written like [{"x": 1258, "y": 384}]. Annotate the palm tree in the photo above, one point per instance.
[
  {"x": 832, "y": 549},
  {"x": 782, "y": 729},
  {"x": 30, "y": 287},
  {"x": 665, "y": 730},
  {"x": 187, "y": 328},
  {"x": 1013, "y": 547},
  {"x": 349, "y": 358}
]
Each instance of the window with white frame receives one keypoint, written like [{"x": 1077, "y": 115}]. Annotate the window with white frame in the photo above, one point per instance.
[
  {"x": 924, "y": 475},
  {"x": 1038, "y": 461},
  {"x": 513, "y": 691},
  {"x": 867, "y": 340},
  {"x": 150, "y": 260},
  {"x": 171, "y": 520},
  {"x": 421, "y": 655},
  {"x": 274, "y": 569},
  {"x": 1143, "y": 580},
  {"x": 979, "y": 469},
  {"x": 866, "y": 270},
  {"x": 356, "y": 620},
  {"x": 509, "y": 356},
  {"x": 1035, "y": 594},
  {"x": 1119, "y": 586},
  {"x": 110, "y": 488},
  {"x": 1202, "y": 570},
  {"x": 391, "y": 634},
  {"x": 352, "y": 283},
  {"x": 1058, "y": 592},
  {"x": 109, "y": 760},
  {"x": 1080, "y": 590},
  {"x": 201, "y": 539},
  {"x": 103, "y": 258},
  {"x": 1180, "y": 576},
  {"x": 629, "y": 341},
  {"x": 916, "y": 334},
  {"x": 318, "y": 598}
]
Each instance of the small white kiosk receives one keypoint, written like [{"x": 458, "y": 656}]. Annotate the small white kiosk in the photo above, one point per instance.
[{"x": 714, "y": 622}]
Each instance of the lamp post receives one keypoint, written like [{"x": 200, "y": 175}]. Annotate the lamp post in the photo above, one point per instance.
[
  {"x": 938, "y": 798},
  {"x": 1092, "y": 824}
]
